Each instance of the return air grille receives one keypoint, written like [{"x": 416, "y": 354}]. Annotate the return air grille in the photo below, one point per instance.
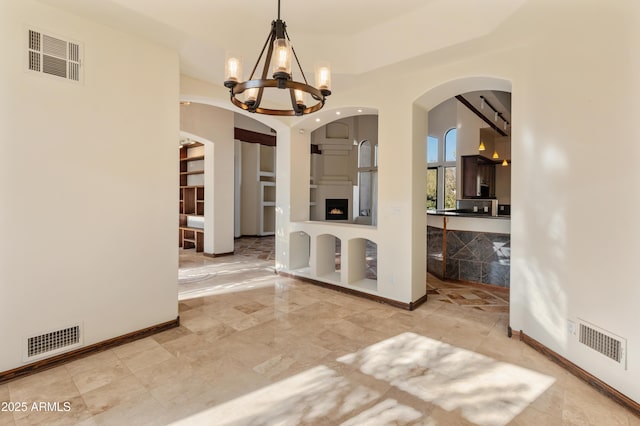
[
  {"x": 54, "y": 56},
  {"x": 603, "y": 341},
  {"x": 53, "y": 341}
]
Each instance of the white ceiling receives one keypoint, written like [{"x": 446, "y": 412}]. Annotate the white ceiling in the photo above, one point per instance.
[{"x": 354, "y": 36}]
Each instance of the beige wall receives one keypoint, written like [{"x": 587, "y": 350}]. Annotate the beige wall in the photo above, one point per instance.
[
  {"x": 214, "y": 126},
  {"x": 568, "y": 261},
  {"x": 89, "y": 184}
]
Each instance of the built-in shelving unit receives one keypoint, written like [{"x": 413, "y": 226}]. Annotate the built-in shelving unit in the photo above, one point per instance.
[
  {"x": 258, "y": 189},
  {"x": 312, "y": 194},
  {"x": 191, "y": 206},
  {"x": 267, "y": 202}
]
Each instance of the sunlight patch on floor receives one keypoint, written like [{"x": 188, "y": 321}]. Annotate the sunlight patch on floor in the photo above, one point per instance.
[
  {"x": 387, "y": 412},
  {"x": 310, "y": 397},
  {"x": 487, "y": 392},
  {"x": 233, "y": 287}
]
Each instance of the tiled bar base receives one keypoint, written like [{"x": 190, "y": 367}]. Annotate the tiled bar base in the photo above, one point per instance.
[{"x": 481, "y": 257}]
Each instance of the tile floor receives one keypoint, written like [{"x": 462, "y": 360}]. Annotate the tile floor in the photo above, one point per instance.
[{"x": 254, "y": 348}]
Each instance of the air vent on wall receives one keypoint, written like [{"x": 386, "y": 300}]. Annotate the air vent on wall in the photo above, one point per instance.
[
  {"x": 54, "y": 56},
  {"x": 53, "y": 342},
  {"x": 605, "y": 342}
]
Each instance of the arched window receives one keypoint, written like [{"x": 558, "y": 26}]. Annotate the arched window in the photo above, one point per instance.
[
  {"x": 441, "y": 171},
  {"x": 367, "y": 179}
]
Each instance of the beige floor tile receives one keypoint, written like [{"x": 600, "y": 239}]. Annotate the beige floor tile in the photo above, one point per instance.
[
  {"x": 185, "y": 398},
  {"x": 167, "y": 372},
  {"x": 133, "y": 348},
  {"x": 172, "y": 334},
  {"x": 633, "y": 419},
  {"x": 4, "y": 392},
  {"x": 56, "y": 385},
  {"x": 278, "y": 351},
  {"x": 113, "y": 394},
  {"x": 138, "y": 409},
  {"x": 275, "y": 366},
  {"x": 93, "y": 372},
  {"x": 6, "y": 416},
  {"x": 200, "y": 323},
  {"x": 533, "y": 416},
  {"x": 68, "y": 412},
  {"x": 188, "y": 347},
  {"x": 143, "y": 359},
  {"x": 106, "y": 358}
]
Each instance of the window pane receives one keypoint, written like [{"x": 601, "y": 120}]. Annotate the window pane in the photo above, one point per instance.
[
  {"x": 364, "y": 154},
  {"x": 432, "y": 149},
  {"x": 450, "y": 145},
  {"x": 432, "y": 188},
  {"x": 364, "y": 182},
  {"x": 450, "y": 188}
]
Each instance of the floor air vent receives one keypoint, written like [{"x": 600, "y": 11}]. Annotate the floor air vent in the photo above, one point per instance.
[
  {"x": 608, "y": 344},
  {"x": 54, "y": 342}
]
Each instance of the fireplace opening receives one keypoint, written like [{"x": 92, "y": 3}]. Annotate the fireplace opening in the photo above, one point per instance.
[{"x": 336, "y": 209}]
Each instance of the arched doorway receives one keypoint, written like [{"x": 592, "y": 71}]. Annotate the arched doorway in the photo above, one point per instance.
[{"x": 468, "y": 229}]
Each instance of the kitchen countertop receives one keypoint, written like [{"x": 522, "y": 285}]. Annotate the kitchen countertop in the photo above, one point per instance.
[{"x": 465, "y": 214}]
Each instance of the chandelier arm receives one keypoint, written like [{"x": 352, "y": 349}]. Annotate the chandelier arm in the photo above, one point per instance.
[
  {"x": 304, "y": 77},
  {"x": 269, "y": 38},
  {"x": 267, "y": 63}
]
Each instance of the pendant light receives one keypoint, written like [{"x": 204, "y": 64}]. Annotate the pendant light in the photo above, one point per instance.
[{"x": 481, "y": 147}]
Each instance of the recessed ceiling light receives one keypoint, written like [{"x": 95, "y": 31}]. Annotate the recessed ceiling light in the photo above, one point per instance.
[
  {"x": 337, "y": 112},
  {"x": 185, "y": 103},
  {"x": 317, "y": 120},
  {"x": 359, "y": 110}
]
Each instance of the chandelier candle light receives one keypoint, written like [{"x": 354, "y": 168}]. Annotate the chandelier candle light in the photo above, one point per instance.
[{"x": 279, "y": 55}]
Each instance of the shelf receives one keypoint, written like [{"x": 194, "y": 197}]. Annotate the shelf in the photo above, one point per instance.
[
  {"x": 191, "y": 238},
  {"x": 191, "y": 194},
  {"x": 269, "y": 203},
  {"x": 194, "y": 158}
]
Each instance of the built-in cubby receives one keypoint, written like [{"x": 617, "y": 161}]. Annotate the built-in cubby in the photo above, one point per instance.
[
  {"x": 338, "y": 259},
  {"x": 313, "y": 190},
  {"x": 267, "y": 160},
  {"x": 191, "y": 204},
  {"x": 258, "y": 189}
]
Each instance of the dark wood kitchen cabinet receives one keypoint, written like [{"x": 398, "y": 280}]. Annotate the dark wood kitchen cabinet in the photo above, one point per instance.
[{"x": 478, "y": 177}]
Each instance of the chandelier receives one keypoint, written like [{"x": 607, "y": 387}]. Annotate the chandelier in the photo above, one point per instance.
[{"x": 281, "y": 53}]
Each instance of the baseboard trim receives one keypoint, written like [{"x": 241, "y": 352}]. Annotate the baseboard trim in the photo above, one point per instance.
[
  {"x": 57, "y": 360},
  {"x": 229, "y": 253},
  {"x": 589, "y": 378},
  {"x": 407, "y": 306},
  {"x": 513, "y": 334}
]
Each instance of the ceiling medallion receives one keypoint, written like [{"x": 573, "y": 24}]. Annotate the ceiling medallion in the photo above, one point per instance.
[{"x": 280, "y": 52}]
